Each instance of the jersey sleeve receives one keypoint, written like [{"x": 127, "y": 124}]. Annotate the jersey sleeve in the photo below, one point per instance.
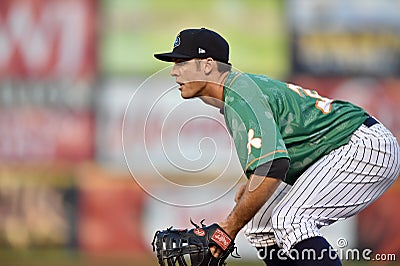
[{"x": 255, "y": 133}]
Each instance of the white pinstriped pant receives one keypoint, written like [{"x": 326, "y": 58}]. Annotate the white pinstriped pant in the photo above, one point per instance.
[{"x": 336, "y": 187}]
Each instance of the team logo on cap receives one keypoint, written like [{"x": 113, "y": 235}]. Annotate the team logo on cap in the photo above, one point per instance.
[{"x": 177, "y": 41}]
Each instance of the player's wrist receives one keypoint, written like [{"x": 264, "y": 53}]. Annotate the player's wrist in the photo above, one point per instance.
[{"x": 229, "y": 228}]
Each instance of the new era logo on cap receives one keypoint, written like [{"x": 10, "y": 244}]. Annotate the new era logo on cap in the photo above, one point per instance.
[{"x": 202, "y": 51}]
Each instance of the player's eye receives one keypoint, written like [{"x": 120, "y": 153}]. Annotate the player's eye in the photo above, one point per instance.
[{"x": 178, "y": 61}]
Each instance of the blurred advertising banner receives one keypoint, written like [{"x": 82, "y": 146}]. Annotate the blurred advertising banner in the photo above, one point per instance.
[
  {"x": 34, "y": 134},
  {"x": 37, "y": 206},
  {"x": 358, "y": 37},
  {"x": 378, "y": 224},
  {"x": 47, "y": 39},
  {"x": 45, "y": 121},
  {"x": 47, "y": 70},
  {"x": 110, "y": 211}
]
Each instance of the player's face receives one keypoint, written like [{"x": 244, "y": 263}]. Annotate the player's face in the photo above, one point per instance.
[{"x": 190, "y": 78}]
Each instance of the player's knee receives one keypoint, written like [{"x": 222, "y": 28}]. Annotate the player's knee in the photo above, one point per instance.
[
  {"x": 282, "y": 225},
  {"x": 274, "y": 222},
  {"x": 278, "y": 226}
]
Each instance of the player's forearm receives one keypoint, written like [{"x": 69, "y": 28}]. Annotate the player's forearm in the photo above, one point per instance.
[{"x": 258, "y": 190}]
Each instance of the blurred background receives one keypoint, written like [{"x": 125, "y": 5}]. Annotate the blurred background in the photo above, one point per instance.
[{"x": 69, "y": 67}]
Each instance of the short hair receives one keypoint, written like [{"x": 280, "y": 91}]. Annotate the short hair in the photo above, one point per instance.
[{"x": 223, "y": 67}]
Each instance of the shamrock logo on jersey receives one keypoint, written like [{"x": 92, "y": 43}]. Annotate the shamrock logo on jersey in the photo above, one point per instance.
[{"x": 252, "y": 141}]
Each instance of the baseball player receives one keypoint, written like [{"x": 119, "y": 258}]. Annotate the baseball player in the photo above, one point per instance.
[{"x": 310, "y": 160}]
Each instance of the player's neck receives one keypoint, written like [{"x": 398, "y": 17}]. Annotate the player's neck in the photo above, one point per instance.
[{"x": 214, "y": 95}]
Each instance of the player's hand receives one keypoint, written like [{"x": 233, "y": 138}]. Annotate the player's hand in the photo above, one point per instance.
[
  {"x": 173, "y": 245},
  {"x": 240, "y": 192},
  {"x": 215, "y": 251}
]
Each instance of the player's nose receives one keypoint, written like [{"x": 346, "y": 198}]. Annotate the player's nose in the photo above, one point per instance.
[{"x": 174, "y": 70}]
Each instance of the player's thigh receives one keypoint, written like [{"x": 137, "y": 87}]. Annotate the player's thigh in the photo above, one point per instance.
[
  {"x": 345, "y": 181},
  {"x": 259, "y": 229}
]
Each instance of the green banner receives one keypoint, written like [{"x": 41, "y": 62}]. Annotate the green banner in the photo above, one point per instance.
[{"x": 132, "y": 31}]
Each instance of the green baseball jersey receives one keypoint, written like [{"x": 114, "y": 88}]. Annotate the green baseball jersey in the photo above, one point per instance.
[{"x": 269, "y": 119}]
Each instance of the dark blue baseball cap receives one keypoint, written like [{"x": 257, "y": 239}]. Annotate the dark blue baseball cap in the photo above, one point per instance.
[{"x": 197, "y": 43}]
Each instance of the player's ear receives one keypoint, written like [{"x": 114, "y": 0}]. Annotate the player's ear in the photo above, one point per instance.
[{"x": 209, "y": 66}]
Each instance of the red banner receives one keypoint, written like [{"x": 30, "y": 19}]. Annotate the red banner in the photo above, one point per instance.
[
  {"x": 39, "y": 134},
  {"x": 47, "y": 39},
  {"x": 378, "y": 225},
  {"x": 110, "y": 214}
]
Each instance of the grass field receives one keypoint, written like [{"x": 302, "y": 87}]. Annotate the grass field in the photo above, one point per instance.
[{"x": 9, "y": 257}]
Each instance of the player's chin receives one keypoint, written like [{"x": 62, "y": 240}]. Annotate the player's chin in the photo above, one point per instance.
[{"x": 185, "y": 94}]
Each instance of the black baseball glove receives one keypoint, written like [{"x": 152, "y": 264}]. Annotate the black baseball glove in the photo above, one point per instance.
[{"x": 172, "y": 245}]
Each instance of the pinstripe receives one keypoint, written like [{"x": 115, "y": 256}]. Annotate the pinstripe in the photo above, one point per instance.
[
  {"x": 384, "y": 187},
  {"x": 337, "y": 186},
  {"x": 375, "y": 192},
  {"x": 338, "y": 172},
  {"x": 262, "y": 234},
  {"x": 267, "y": 227},
  {"x": 269, "y": 218},
  {"x": 266, "y": 210},
  {"x": 326, "y": 195},
  {"x": 272, "y": 203},
  {"x": 348, "y": 184},
  {"x": 286, "y": 202},
  {"x": 307, "y": 198}
]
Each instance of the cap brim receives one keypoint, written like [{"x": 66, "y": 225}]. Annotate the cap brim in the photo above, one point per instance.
[{"x": 169, "y": 57}]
